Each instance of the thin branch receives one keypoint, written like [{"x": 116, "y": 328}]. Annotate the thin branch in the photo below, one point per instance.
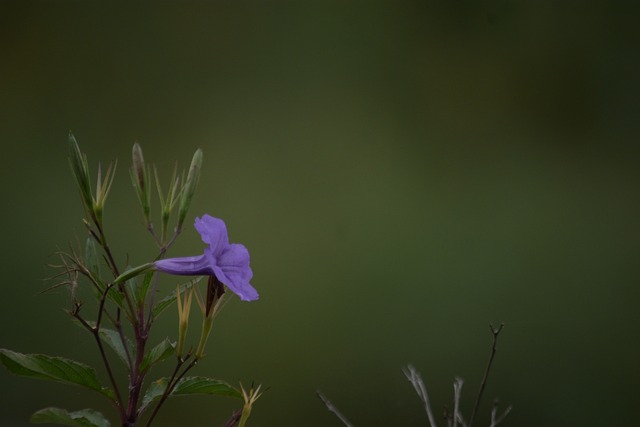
[
  {"x": 123, "y": 340},
  {"x": 416, "y": 380},
  {"x": 233, "y": 420},
  {"x": 494, "y": 411},
  {"x": 95, "y": 331},
  {"x": 152, "y": 300},
  {"x": 495, "y": 332},
  {"x": 457, "y": 391},
  {"x": 171, "y": 384},
  {"x": 331, "y": 407}
]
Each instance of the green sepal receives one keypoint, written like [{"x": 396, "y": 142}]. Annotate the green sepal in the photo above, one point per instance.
[
  {"x": 82, "y": 418},
  {"x": 53, "y": 368}
]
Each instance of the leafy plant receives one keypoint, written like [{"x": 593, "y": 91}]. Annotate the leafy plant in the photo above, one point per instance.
[{"x": 125, "y": 306}]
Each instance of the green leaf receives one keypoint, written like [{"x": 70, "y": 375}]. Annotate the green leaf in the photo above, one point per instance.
[
  {"x": 186, "y": 386},
  {"x": 116, "y": 296},
  {"x": 204, "y": 385},
  {"x": 163, "y": 304},
  {"x": 154, "y": 391},
  {"x": 53, "y": 368},
  {"x": 137, "y": 289},
  {"x": 82, "y": 418},
  {"x": 142, "y": 289},
  {"x": 113, "y": 340},
  {"x": 91, "y": 257},
  {"x": 157, "y": 354}
]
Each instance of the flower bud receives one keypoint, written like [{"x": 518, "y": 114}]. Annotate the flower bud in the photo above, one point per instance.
[
  {"x": 139, "y": 176},
  {"x": 189, "y": 187},
  {"x": 184, "y": 307},
  {"x": 209, "y": 308},
  {"x": 80, "y": 169}
]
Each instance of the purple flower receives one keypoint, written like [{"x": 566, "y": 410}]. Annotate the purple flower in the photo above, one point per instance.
[{"x": 227, "y": 262}]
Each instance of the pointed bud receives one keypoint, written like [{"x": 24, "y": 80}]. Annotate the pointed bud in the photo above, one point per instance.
[
  {"x": 80, "y": 169},
  {"x": 140, "y": 178},
  {"x": 189, "y": 187},
  {"x": 184, "y": 308},
  {"x": 103, "y": 186}
]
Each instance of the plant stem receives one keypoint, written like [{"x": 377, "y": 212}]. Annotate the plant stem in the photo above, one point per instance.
[
  {"x": 171, "y": 384},
  {"x": 495, "y": 332},
  {"x": 95, "y": 331},
  {"x": 136, "y": 376}
]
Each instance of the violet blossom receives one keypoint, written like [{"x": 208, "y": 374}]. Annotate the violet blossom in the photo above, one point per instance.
[{"x": 227, "y": 262}]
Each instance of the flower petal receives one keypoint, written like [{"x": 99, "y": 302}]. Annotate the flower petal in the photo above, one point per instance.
[
  {"x": 213, "y": 232},
  {"x": 232, "y": 268},
  {"x": 186, "y": 266}
]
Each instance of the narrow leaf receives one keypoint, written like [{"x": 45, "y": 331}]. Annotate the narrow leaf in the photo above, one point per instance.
[
  {"x": 154, "y": 391},
  {"x": 157, "y": 354},
  {"x": 144, "y": 288},
  {"x": 91, "y": 257},
  {"x": 186, "y": 386},
  {"x": 112, "y": 339},
  {"x": 203, "y": 385},
  {"x": 82, "y": 418},
  {"x": 53, "y": 368},
  {"x": 116, "y": 296}
]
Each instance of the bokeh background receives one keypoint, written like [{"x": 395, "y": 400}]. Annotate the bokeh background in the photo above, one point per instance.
[{"x": 403, "y": 173}]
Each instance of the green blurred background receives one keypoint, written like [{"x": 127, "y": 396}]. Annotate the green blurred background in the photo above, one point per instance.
[{"x": 403, "y": 173}]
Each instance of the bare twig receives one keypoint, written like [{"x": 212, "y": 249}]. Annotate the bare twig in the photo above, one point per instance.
[
  {"x": 171, "y": 384},
  {"x": 495, "y": 332},
  {"x": 457, "y": 414},
  {"x": 331, "y": 407},
  {"x": 494, "y": 412},
  {"x": 416, "y": 380},
  {"x": 95, "y": 331}
]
